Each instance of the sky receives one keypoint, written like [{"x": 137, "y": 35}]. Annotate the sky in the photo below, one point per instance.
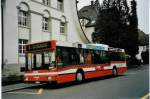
[{"x": 142, "y": 12}]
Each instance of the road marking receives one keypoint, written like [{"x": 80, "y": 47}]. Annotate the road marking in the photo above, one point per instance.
[
  {"x": 146, "y": 96},
  {"x": 40, "y": 91}
]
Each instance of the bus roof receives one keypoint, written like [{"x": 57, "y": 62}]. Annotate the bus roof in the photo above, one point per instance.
[
  {"x": 84, "y": 46},
  {"x": 51, "y": 45},
  {"x": 97, "y": 46}
]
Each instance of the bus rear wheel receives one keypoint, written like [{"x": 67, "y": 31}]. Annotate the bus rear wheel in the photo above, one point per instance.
[
  {"x": 114, "y": 72},
  {"x": 79, "y": 77}
]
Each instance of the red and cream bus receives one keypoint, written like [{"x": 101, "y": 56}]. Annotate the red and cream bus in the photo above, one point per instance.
[{"x": 61, "y": 62}]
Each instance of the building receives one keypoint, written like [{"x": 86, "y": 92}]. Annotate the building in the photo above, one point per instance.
[
  {"x": 88, "y": 16},
  {"x": 26, "y": 21},
  {"x": 143, "y": 44}
]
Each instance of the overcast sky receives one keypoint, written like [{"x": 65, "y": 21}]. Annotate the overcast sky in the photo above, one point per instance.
[{"x": 142, "y": 11}]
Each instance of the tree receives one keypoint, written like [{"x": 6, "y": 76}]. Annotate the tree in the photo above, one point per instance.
[
  {"x": 116, "y": 26},
  {"x": 106, "y": 4},
  {"x": 133, "y": 30},
  {"x": 109, "y": 23}
]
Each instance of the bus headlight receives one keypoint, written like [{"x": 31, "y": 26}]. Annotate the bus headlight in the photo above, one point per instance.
[{"x": 49, "y": 78}]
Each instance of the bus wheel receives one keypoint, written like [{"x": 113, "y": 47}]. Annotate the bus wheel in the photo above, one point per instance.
[
  {"x": 114, "y": 72},
  {"x": 79, "y": 77}
]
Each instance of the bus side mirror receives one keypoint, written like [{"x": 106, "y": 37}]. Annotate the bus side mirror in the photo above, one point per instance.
[{"x": 22, "y": 69}]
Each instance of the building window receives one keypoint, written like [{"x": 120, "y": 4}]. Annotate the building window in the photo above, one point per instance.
[
  {"x": 22, "y": 43},
  {"x": 23, "y": 18},
  {"x": 60, "y": 5},
  {"x": 62, "y": 27},
  {"x": 45, "y": 24},
  {"x": 46, "y": 2}
]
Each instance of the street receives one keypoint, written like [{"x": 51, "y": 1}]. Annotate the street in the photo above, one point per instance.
[{"x": 132, "y": 85}]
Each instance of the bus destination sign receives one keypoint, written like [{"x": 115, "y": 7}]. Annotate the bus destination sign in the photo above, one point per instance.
[{"x": 38, "y": 46}]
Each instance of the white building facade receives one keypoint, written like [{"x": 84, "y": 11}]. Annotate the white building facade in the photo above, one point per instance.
[
  {"x": 87, "y": 29},
  {"x": 88, "y": 16},
  {"x": 26, "y": 21}
]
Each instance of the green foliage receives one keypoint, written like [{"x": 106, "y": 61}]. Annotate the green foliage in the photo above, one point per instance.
[{"x": 117, "y": 26}]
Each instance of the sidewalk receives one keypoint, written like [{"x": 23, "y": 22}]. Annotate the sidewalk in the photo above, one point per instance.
[{"x": 13, "y": 87}]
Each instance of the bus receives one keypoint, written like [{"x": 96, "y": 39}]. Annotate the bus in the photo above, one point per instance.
[{"x": 61, "y": 62}]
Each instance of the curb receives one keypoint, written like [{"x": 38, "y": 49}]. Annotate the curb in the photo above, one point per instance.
[{"x": 23, "y": 87}]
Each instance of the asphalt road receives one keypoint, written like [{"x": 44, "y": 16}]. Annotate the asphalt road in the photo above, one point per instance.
[{"x": 132, "y": 85}]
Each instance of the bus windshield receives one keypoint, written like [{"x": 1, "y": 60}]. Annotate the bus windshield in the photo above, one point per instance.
[{"x": 38, "y": 61}]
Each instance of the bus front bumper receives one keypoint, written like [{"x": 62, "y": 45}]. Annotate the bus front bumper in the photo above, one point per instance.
[{"x": 40, "y": 79}]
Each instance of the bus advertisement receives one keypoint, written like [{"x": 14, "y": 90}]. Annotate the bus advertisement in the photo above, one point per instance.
[{"x": 62, "y": 62}]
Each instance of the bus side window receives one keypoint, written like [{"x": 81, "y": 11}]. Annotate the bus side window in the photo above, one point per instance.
[
  {"x": 123, "y": 57},
  {"x": 81, "y": 55},
  {"x": 59, "y": 57},
  {"x": 77, "y": 56},
  {"x": 103, "y": 57},
  {"x": 99, "y": 59},
  {"x": 96, "y": 57},
  {"x": 65, "y": 57},
  {"x": 117, "y": 56},
  {"x": 88, "y": 57},
  {"x": 73, "y": 56},
  {"x": 85, "y": 56}
]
